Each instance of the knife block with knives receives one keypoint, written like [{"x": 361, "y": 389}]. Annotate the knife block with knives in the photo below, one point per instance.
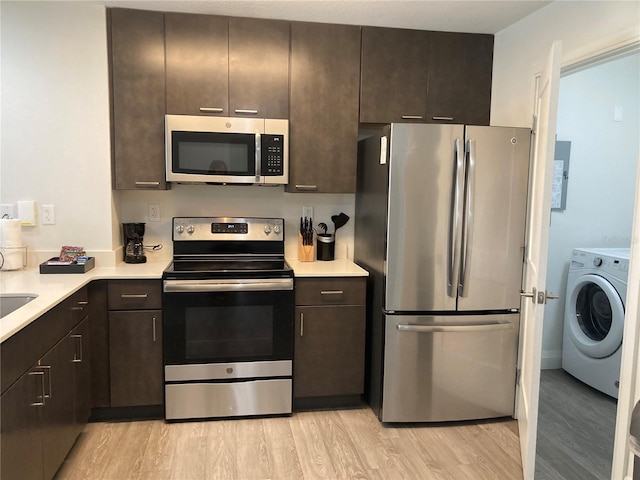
[{"x": 306, "y": 249}]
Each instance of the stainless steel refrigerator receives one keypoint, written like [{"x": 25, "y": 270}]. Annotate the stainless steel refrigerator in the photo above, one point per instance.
[{"x": 440, "y": 226}]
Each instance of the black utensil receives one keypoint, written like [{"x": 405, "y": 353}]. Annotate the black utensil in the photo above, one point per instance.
[
  {"x": 339, "y": 221},
  {"x": 324, "y": 227}
]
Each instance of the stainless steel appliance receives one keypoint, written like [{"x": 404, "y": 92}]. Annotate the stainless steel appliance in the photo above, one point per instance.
[
  {"x": 222, "y": 150},
  {"x": 440, "y": 217},
  {"x": 133, "y": 243},
  {"x": 228, "y": 311}
]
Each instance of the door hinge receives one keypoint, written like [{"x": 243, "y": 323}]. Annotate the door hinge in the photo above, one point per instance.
[
  {"x": 518, "y": 374},
  {"x": 534, "y": 128}
]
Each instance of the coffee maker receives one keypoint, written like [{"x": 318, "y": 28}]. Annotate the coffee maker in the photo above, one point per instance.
[{"x": 133, "y": 247}]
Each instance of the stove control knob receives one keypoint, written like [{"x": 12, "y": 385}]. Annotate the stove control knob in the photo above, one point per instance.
[
  {"x": 190, "y": 229},
  {"x": 267, "y": 229},
  {"x": 597, "y": 261},
  {"x": 180, "y": 228},
  {"x": 276, "y": 229}
]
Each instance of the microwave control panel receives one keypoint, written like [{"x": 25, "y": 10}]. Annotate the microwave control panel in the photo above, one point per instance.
[{"x": 272, "y": 154}]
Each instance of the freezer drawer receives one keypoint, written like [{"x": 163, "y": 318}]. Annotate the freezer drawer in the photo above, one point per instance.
[{"x": 440, "y": 368}]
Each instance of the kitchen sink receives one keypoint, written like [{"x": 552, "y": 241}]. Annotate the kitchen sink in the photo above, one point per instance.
[{"x": 9, "y": 302}]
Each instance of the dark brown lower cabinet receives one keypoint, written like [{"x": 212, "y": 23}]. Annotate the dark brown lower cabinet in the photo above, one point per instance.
[
  {"x": 21, "y": 452},
  {"x": 329, "y": 351},
  {"x": 58, "y": 415},
  {"x": 135, "y": 352},
  {"x": 43, "y": 412}
]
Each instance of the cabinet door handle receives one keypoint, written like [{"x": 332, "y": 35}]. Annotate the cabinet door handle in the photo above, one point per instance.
[
  {"x": 134, "y": 295},
  {"x": 412, "y": 117},
  {"x": 77, "y": 354},
  {"x": 447, "y": 119},
  {"x": 83, "y": 304},
  {"x": 211, "y": 110},
  {"x": 302, "y": 324},
  {"x": 147, "y": 184},
  {"x": 306, "y": 187},
  {"x": 153, "y": 326},
  {"x": 47, "y": 369},
  {"x": 77, "y": 308},
  {"x": 41, "y": 375},
  {"x": 331, "y": 292},
  {"x": 240, "y": 111}
]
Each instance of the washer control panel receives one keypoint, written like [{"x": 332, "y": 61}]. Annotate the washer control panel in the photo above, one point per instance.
[{"x": 614, "y": 261}]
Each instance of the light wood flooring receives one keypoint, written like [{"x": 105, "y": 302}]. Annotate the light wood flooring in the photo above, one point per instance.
[
  {"x": 334, "y": 444},
  {"x": 576, "y": 426}
]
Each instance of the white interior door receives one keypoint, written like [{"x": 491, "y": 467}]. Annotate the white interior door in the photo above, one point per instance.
[{"x": 535, "y": 271}]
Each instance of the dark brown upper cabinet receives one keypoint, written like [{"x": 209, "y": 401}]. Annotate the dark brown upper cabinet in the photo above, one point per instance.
[
  {"x": 323, "y": 117},
  {"x": 420, "y": 76},
  {"x": 197, "y": 64},
  {"x": 394, "y": 75},
  {"x": 259, "y": 67},
  {"x": 459, "y": 84},
  {"x": 227, "y": 66},
  {"x": 136, "y": 43}
]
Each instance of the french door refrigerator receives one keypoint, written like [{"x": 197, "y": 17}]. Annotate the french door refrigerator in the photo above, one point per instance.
[{"x": 440, "y": 220}]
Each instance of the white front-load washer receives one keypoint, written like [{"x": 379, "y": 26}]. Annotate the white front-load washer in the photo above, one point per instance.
[{"x": 594, "y": 316}]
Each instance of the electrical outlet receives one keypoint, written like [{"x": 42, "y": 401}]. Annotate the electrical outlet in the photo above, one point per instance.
[
  {"x": 6, "y": 211},
  {"x": 154, "y": 212},
  {"x": 48, "y": 214},
  {"x": 307, "y": 211}
]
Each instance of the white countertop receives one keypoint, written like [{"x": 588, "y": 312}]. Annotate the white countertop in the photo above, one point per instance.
[
  {"x": 53, "y": 288},
  {"x": 341, "y": 267}
]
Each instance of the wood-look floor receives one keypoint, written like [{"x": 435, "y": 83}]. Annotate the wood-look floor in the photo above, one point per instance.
[
  {"x": 576, "y": 427},
  {"x": 334, "y": 444}
]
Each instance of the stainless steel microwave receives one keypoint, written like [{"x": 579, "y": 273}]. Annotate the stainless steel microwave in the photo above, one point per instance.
[{"x": 227, "y": 150}]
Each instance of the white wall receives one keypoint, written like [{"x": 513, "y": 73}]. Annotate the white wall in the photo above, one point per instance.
[
  {"x": 602, "y": 176},
  {"x": 55, "y": 121},
  {"x": 56, "y": 147},
  {"x": 521, "y": 50},
  {"x": 237, "y": 201}
]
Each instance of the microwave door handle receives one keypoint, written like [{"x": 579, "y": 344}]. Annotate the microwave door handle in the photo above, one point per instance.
[{"x": 258, "y": 157}]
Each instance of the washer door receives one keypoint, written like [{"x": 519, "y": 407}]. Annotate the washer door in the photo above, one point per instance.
[{"x": 596, "y": 316}]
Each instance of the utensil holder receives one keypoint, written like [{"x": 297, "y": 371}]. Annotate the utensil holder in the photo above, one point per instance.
[
  {"x": 326, "y": 246},
  {"x": 305, "y": 252}
]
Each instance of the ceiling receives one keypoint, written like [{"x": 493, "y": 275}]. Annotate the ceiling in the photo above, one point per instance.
[{"x": 472, "y": 16}]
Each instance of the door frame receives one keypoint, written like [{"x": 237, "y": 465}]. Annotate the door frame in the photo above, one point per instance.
[{"x": 629, "y": 393}]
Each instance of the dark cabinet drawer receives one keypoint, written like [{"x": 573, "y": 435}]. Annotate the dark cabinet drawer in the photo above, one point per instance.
[
  {"x": 330, "y": 291},
  {"x": 135, "y": 294}
]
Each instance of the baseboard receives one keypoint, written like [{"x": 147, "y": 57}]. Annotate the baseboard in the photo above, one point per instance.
[{"x": 551, "y": 360}]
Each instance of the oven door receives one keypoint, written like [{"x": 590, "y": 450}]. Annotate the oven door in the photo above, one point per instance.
[{"x": 227, "y": 321}]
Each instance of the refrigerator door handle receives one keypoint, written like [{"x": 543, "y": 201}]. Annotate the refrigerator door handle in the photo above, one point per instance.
[
  {"x": 467, "y": 227},
  {"x": 454, "y": 328},
  {"x": 455, "y": 222}
]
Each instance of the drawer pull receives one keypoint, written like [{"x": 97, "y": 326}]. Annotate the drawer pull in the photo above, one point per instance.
[
  {"x": 331, "y": 292},
  {"x": 412, "y": 117},
  {"x": 211, "y": 110},
  {"x": 147, "y": 184},
  {"x": 306, "y": 187},
  {"x": 46, "y": 369},
  {"x": 83, "y": 303},
  {"x": 448, "y": 119},
  {"x": 77, "y": 355},
  {"x": 240, "y": 111},
  {"x": 41, "y": 375},
  {"x": 134, "y": 295}
]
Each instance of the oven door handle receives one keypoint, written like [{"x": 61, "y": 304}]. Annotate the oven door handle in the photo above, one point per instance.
[{"x": 244, "y": 285}]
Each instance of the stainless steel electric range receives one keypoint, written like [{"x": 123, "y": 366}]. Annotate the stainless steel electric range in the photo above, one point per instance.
[{"x": 228, "y": 311}]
